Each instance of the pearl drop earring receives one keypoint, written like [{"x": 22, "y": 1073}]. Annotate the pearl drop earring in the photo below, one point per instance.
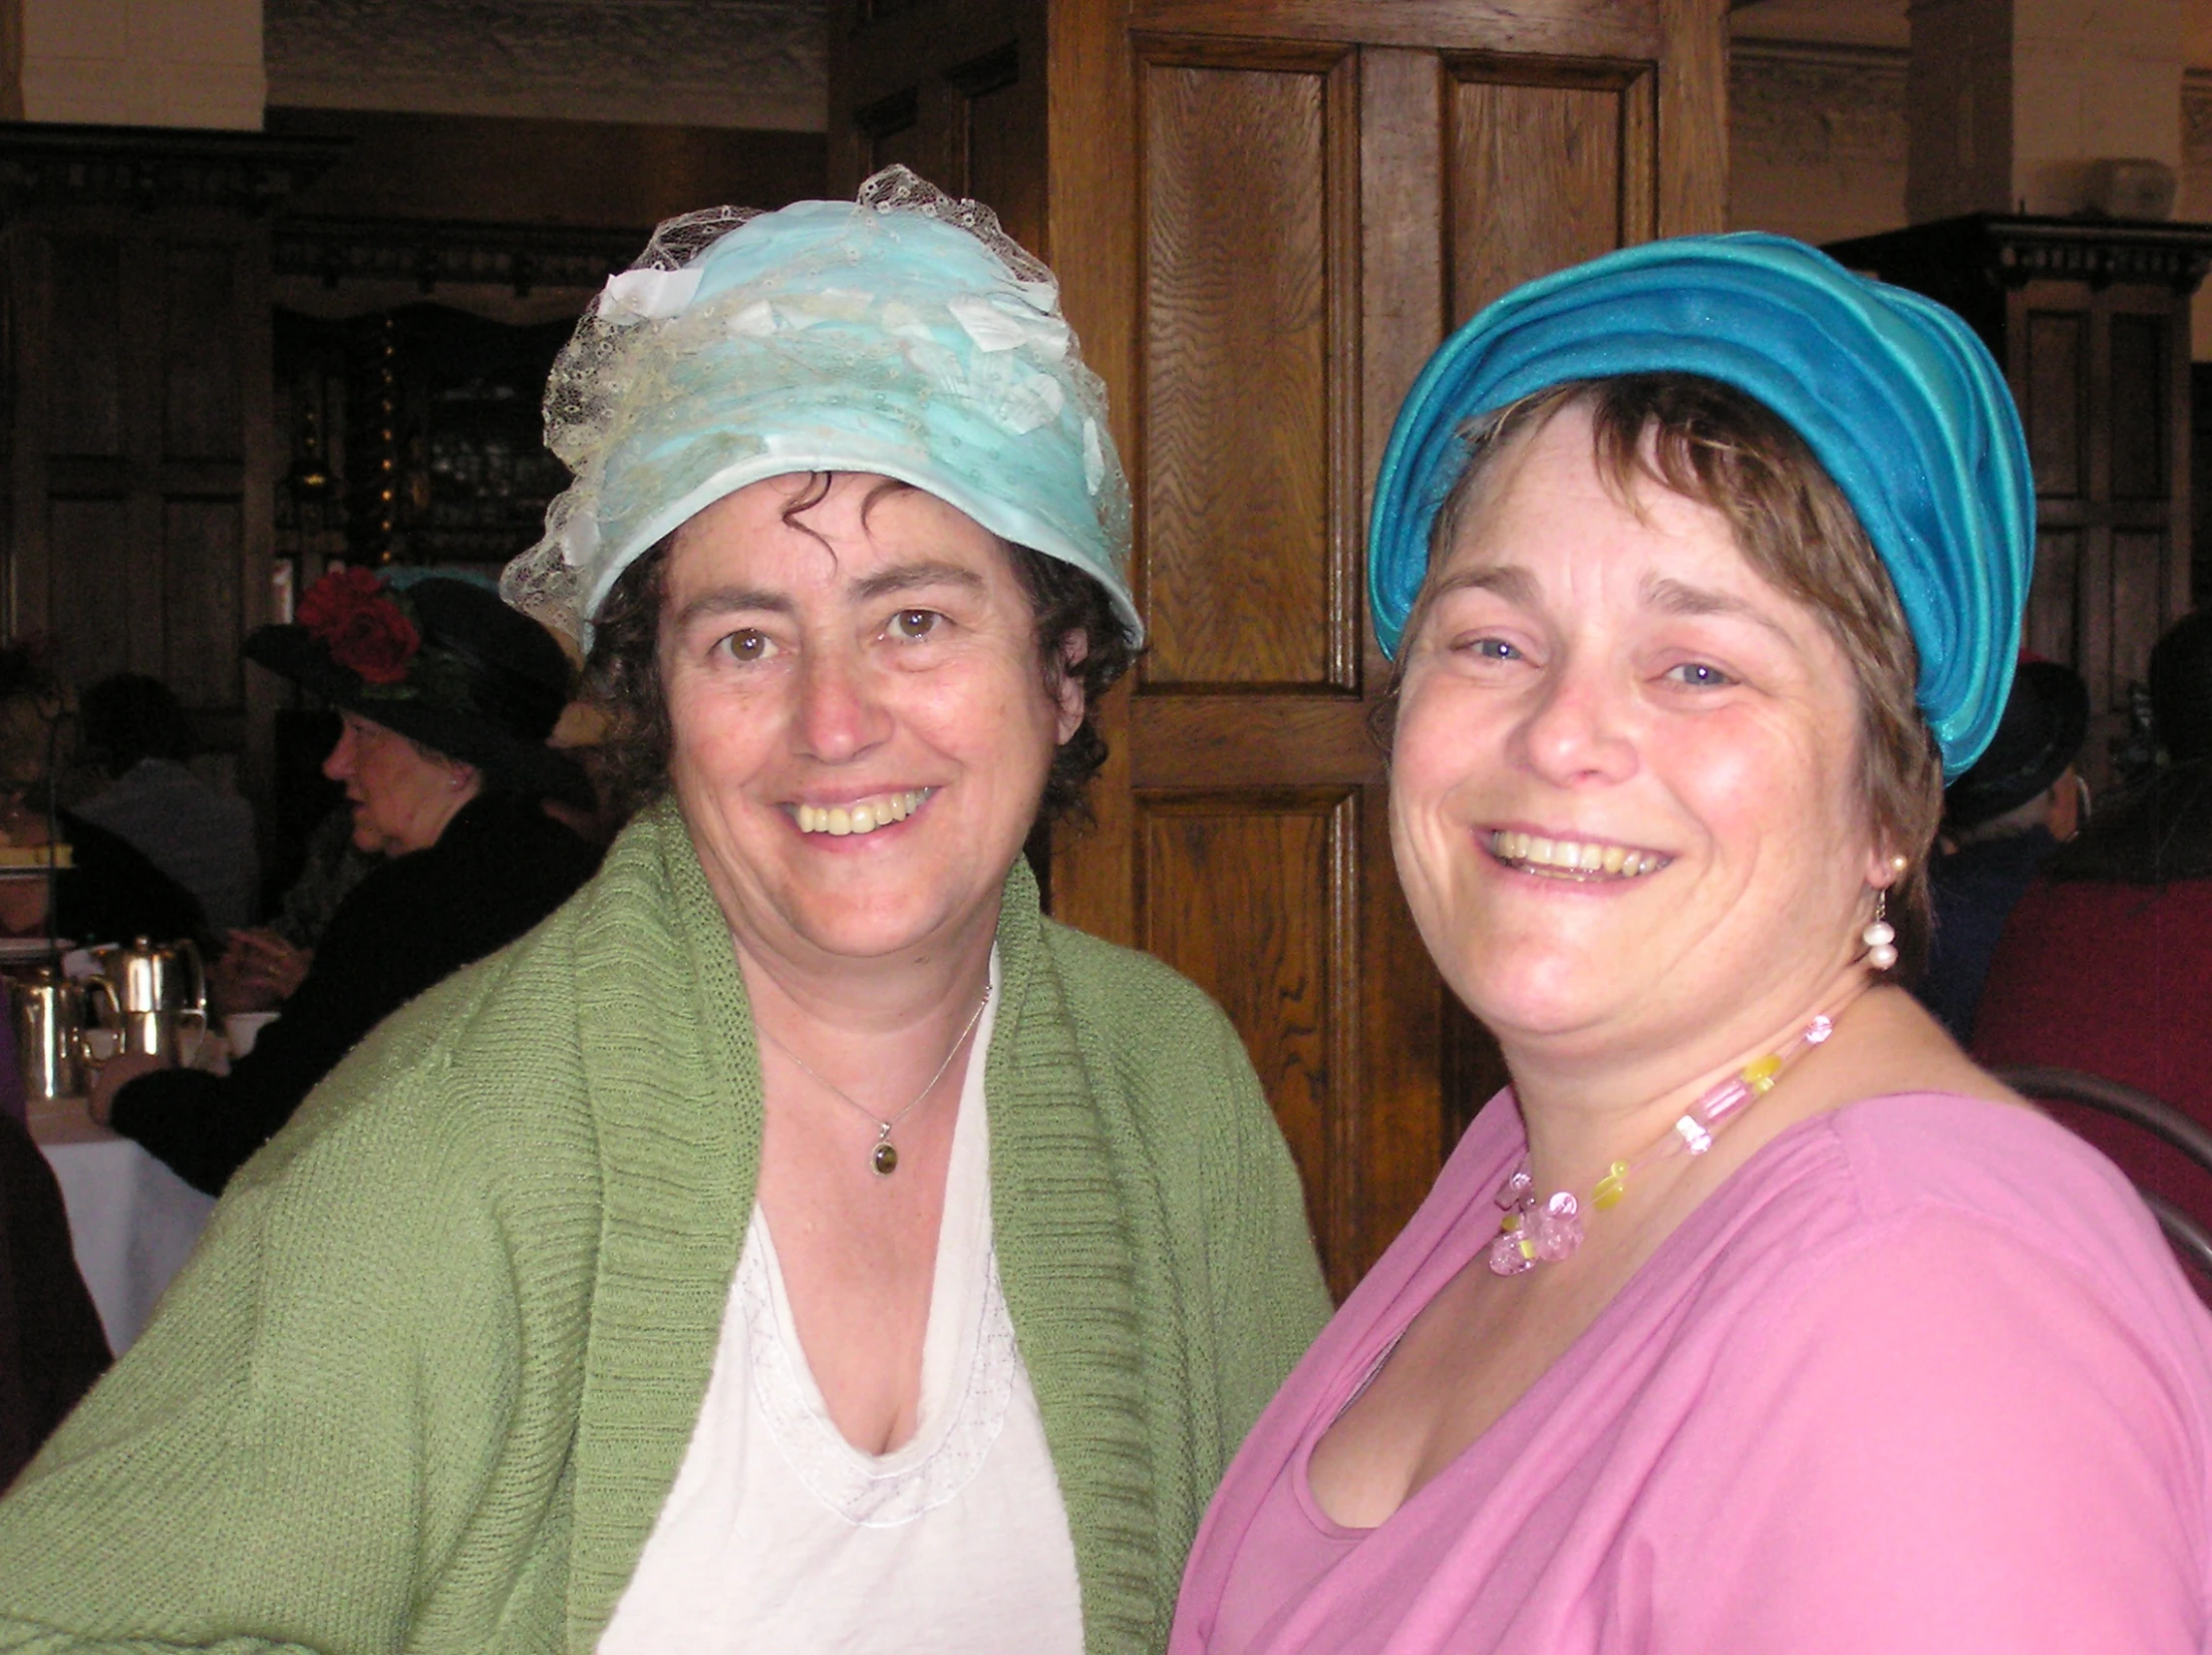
[{"x": 1879, "y": 937}]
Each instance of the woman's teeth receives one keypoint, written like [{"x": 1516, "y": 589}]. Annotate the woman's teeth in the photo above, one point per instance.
[
  {"x": 1572, "y": 858},
  {"x": 863, "y": 817}
]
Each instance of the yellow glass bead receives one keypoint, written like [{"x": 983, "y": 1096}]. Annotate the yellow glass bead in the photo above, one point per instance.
[
  {"x": 1528, "y": 1249},
  {"x": 1510, "y": 1223},
  {"x": 1610, "y": 1188},
  {"x": 1759, "y": 1074}
]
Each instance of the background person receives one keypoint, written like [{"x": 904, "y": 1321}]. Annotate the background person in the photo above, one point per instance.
[
  {"x": 2106, "y": 963},
  {"x": 446, "y": 697},
  {"x": 138, "y": 738},
  {"x": 111, "y": 891},
  {"x": 1753, "y": 1316},
  {"x": 2003, "y": 821},
  {"x": 799, "y": 1242}
]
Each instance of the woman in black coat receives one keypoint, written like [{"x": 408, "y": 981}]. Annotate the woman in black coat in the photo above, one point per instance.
[{"x": 446, "y": 697}]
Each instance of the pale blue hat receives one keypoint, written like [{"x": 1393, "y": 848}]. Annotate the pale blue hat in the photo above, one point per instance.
[
  {"x": 902, "y": 333},
  {"x": 1894, "y": 395}
]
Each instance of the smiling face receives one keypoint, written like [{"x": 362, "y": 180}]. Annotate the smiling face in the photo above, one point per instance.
[
  {"x": 860, "y": 727},
  {"x": 1625, "y": 777}
]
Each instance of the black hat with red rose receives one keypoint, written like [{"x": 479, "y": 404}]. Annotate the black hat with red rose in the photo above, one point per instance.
[{"x": 443, "y": 663}]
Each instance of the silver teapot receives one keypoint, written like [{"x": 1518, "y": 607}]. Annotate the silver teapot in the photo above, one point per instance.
[
  {"x": 47, "y": 1015},
  {"x": 155, "y": 993}
]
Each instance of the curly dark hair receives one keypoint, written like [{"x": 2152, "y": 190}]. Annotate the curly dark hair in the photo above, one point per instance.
[{"x": 622, "y": 674}]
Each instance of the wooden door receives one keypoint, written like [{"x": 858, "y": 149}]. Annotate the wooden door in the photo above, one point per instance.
[
  {"x": 140, "y": 460},
  {"x": 1265, "y": 215}
]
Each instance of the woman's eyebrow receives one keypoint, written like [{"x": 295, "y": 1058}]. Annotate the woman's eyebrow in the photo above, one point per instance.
[
  {"x": 1678, "y": 597},
  {"x": 1507, "y": 581},
  {"x": 906, "y": 578},
  {"x": 726, "y": 600}
]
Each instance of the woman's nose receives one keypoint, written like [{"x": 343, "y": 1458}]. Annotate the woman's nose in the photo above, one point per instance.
[
  {"x": 841, "y": 713},
  {"x": 339, "y": 764},
  {"x": 1576, "y": 729}
]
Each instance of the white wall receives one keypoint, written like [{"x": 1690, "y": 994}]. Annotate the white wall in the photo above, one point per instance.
[{"x": 165, "y": 63}]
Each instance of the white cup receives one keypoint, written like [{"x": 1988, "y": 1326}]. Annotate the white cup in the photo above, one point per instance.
[{"x": 242, "y": 1027}]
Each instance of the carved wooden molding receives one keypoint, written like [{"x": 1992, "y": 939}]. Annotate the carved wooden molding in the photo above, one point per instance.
[
  {"x": 50, "y": 163},
  {"x": 430, "y": 252},
  {"x": 2006, "y": 251}
]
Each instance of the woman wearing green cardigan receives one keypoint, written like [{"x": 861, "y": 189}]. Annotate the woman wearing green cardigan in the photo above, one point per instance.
[{"x": 796, "y": 1242}]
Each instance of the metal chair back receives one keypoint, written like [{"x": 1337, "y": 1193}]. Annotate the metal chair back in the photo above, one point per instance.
[{"x": 2153, "y": 1115}]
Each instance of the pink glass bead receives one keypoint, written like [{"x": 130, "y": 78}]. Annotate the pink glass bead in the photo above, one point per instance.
[
  {"x": 1725, "y": 1100},
  {"x": 1511, "y": 1192},
  {"x": 1508, "y": 1257},
  {"x": 1556, "y": 1229}
]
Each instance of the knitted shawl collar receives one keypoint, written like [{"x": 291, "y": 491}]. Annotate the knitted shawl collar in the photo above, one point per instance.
[{"x": 673, "y": 1082}]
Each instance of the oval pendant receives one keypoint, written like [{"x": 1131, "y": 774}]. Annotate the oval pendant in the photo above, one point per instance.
[{"x": 884, "y": 1159}]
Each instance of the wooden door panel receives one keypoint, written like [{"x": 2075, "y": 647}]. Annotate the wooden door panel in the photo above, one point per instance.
[
  {"x": 204, "y": 551},
  {"x": 91, "y": 601},
  {"x": 1246, "y": 557},
  {"x": 2053, "y": 596},
  {"x": 2057, "y": 413},
  {"x": 1227, "y": 888},
  {"x": 200, "y": 415},
  {"x": 1551, "y": 165},
  {"x": 85, "y": 413},
  {"x": 2139, "y": 405}
]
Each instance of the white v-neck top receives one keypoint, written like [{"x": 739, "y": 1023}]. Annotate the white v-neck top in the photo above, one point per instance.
[{"x": 778, "y": 1534}]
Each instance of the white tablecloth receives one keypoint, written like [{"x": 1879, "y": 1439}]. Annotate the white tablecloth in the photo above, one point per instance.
[{"x": 131, "y": 1221}]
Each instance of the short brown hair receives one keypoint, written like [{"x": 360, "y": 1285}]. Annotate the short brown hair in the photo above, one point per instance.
[
  {"x": 1714, "y": 445},
  {"x": 622, "y": 675}
]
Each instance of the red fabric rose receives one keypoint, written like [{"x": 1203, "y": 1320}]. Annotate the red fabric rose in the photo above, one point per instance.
[{"x": 361, "y": 625}]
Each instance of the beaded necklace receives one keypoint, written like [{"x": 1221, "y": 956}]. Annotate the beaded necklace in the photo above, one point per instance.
[{"x": 1530, "y": 1233}]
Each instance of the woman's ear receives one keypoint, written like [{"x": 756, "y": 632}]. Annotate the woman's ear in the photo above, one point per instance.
[
  {"x": 1884, "y": 866},
  {"x": 1075, "y": 647}
]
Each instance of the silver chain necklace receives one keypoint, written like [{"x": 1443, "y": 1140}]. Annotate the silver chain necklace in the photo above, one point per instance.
[{"x": 884, "y": 1157}]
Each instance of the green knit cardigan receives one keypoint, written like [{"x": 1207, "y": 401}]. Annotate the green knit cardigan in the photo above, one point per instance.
[{"x": 428, "y": 1380}]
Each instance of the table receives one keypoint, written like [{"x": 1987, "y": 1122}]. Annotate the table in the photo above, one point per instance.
[{"x": 131, "y": 1221}]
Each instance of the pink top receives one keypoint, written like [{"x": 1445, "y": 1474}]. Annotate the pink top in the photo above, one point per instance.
[{"x": 1922, "y": 1374}]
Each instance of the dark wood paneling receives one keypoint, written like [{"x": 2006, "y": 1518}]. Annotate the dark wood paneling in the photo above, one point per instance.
[
  {"x": 1550, "y": 165},
  {"x": 505, "y": 169},
  {"x": 1254, "y": 898},
  {"x": 2140, "y": 407},
  {"x": 1002, "y": 112},
  {"x": 2139, "y": 582},
  {"x": 200, "y": 358},
  {"x": 1248, "y": 741},
  {"x": 98, "y": 592},
  {"x": 202, "y": 544},
  {"x": 1597, "y": 29},
  {"x": 2050, "y": 629},
  {"x": 1238, "y": 552},
  {"x": 83, "y": 382},
  {"x": 2057, "y": 413}
]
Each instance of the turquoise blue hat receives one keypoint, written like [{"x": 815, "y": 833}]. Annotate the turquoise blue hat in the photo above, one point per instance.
[
  {"x": 1894, "y": 395},
  {"x": 902, "y": 333}
]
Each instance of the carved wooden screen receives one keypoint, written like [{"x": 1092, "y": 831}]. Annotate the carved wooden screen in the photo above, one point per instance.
[
  {"x": 2100, "y": 372},
  {"x": 139, "y": 467},
  {"x": 1264, "y": 217}
]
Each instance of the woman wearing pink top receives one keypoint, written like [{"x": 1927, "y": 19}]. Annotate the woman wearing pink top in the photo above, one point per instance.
[{"x": 1753, "y": 1316}]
